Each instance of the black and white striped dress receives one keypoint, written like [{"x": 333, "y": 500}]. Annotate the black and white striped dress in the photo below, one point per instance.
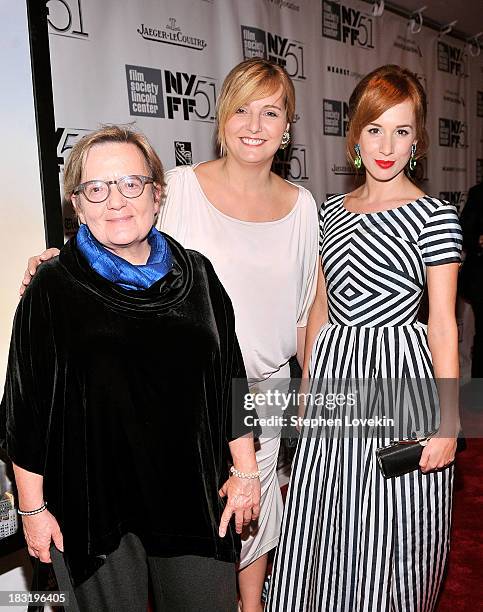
[{"x": 351, "y": 540}]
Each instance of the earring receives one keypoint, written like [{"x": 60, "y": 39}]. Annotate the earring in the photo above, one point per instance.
[
  {"x": 285, "y": 140},
  {"x": 412, "y": 159},
  {"x": 358, "y": 159}
]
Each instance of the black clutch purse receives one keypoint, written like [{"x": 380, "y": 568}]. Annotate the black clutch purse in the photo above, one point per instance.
[{"x": 400, "y": 458}]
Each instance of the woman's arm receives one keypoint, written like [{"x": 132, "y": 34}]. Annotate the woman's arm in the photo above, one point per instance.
[
  {"x": 39, "y": 529},
  {"x": 443, "y": 344},
  {"x": 243, "y": 494},
  {"x": 317, "y": 317}
]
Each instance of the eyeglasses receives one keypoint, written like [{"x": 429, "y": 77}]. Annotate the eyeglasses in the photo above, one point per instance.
[{"x": 131, "y": 186}]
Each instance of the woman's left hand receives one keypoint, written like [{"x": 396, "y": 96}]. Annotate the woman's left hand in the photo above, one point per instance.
[
  {"x": 243, "y": 500},
  {"x": 437, "y": 454}
]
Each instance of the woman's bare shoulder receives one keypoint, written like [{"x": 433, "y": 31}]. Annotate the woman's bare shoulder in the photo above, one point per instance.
[
  {"x": 284, "y": 188},
  {"x": 208, "y": 170}
]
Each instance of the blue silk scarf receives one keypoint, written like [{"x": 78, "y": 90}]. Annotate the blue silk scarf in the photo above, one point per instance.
[{"x": 120, "y": 271}]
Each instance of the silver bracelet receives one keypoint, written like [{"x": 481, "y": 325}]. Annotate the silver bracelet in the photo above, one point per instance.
[
  {"x": 32, "y": 512},
  {"x": 249, "y": 475}
]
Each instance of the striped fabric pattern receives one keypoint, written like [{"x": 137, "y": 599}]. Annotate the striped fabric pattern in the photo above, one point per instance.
[{"x": 352, "y": 541}]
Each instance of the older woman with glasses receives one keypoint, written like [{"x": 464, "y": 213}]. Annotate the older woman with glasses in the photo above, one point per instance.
[{"x": 118, "y": 412}]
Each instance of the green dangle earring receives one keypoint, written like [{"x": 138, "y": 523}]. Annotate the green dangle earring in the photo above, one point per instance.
[
  {"x": 412, "y": 159},
  {"x": 358, "y": 159}
]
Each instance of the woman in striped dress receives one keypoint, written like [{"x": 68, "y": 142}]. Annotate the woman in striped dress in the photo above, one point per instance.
[{"x": 352, "y": 540}]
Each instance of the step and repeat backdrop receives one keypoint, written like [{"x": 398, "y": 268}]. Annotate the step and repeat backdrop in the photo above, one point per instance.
[{"x": 160, "y": 64}]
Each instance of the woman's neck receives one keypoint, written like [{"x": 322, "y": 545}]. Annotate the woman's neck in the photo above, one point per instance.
[
  {"x": 246, "y": 178},
  {"x": 399, "y": 188}
]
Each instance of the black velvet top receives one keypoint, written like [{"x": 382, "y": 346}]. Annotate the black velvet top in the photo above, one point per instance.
[{"x": 122, "y": 400}]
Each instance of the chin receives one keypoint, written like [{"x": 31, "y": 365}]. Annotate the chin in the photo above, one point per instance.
[
  {"x": 259, "y": 157},
  {"x": 384, "y": 176},
  {"x": 123, "y": 239}
]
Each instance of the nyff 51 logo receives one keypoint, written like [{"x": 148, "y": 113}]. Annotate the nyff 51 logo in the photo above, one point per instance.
[
  {"x": 346, "y": 24},
  {"x": 291, "y": 163},
  {"x": 283, "y": 51},
  {"x": 65, "y": 18},
  {"x": 336, "y": 117},
  {"x": 66, "y": 139},
  {"x": 452, "y": 59},
  {"x": 452, "y": 133},
  {"x": 167, "y": 94}
]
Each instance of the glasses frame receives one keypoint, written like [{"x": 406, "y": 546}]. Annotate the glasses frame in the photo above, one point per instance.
[{"x": 144, "y": 180}]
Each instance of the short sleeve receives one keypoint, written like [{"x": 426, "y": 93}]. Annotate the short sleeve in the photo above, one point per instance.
[
  {"x": 310, "y": 261},
  {"x": 441, "y": 238}
]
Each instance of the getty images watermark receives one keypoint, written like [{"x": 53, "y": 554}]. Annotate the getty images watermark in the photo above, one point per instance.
[
  {"x": 389, "y": 408},
  {"x": 288, "y": 401}
]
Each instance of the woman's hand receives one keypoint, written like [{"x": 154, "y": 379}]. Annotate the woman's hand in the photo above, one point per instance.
[
  {"x": 33, "y": 264},
  {"x": 243, "y": 500},
  {"x": 437, "y": 454},
  {"x": 40, "y": 529}
]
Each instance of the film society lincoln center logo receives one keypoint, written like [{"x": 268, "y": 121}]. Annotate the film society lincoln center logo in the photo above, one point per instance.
[
  {"x": 283, "y": 51},
  {"x": 336, "y": 117},
  {"x": 452, "y": 133},
  {"x": 168, "y": 95},
  {"x": 347, "y": 25}
]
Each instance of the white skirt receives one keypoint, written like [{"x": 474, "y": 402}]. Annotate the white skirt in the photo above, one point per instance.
[{"x": 262, "y": 536}]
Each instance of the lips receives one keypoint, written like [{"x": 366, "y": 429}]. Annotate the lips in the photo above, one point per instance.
[
  {"x": 384, "y": 164},
  {"x": 120, "y": 219}
]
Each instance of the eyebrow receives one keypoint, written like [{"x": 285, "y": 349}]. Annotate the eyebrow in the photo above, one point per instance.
[
  {"x": 272, "y": 106},
  {"x": 406, "y": 125}
]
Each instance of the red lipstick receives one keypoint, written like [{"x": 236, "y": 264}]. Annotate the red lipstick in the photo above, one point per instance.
[{"x": 384, "y": 164}]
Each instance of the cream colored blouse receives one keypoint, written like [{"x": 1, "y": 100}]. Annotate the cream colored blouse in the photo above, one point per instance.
[{"x": 268, "y": 269}]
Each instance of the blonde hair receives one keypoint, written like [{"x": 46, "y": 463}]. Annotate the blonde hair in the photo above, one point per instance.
[
  {"x": 110, "y": 133},
  {"x": 380, "y": 90},
  {"x": 250, "y": 80}
]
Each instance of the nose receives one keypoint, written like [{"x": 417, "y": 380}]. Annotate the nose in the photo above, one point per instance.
[
  {"x": 254, "y": 123},
  {"x": 386, "y": 147},
  {"x": 115, "y": 200}
]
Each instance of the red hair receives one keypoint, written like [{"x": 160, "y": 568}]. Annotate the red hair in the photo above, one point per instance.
[{"x": 380, "y": 90}]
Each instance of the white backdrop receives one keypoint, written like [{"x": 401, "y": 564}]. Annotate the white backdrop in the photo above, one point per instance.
[{"x": 160, "y": 65}]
